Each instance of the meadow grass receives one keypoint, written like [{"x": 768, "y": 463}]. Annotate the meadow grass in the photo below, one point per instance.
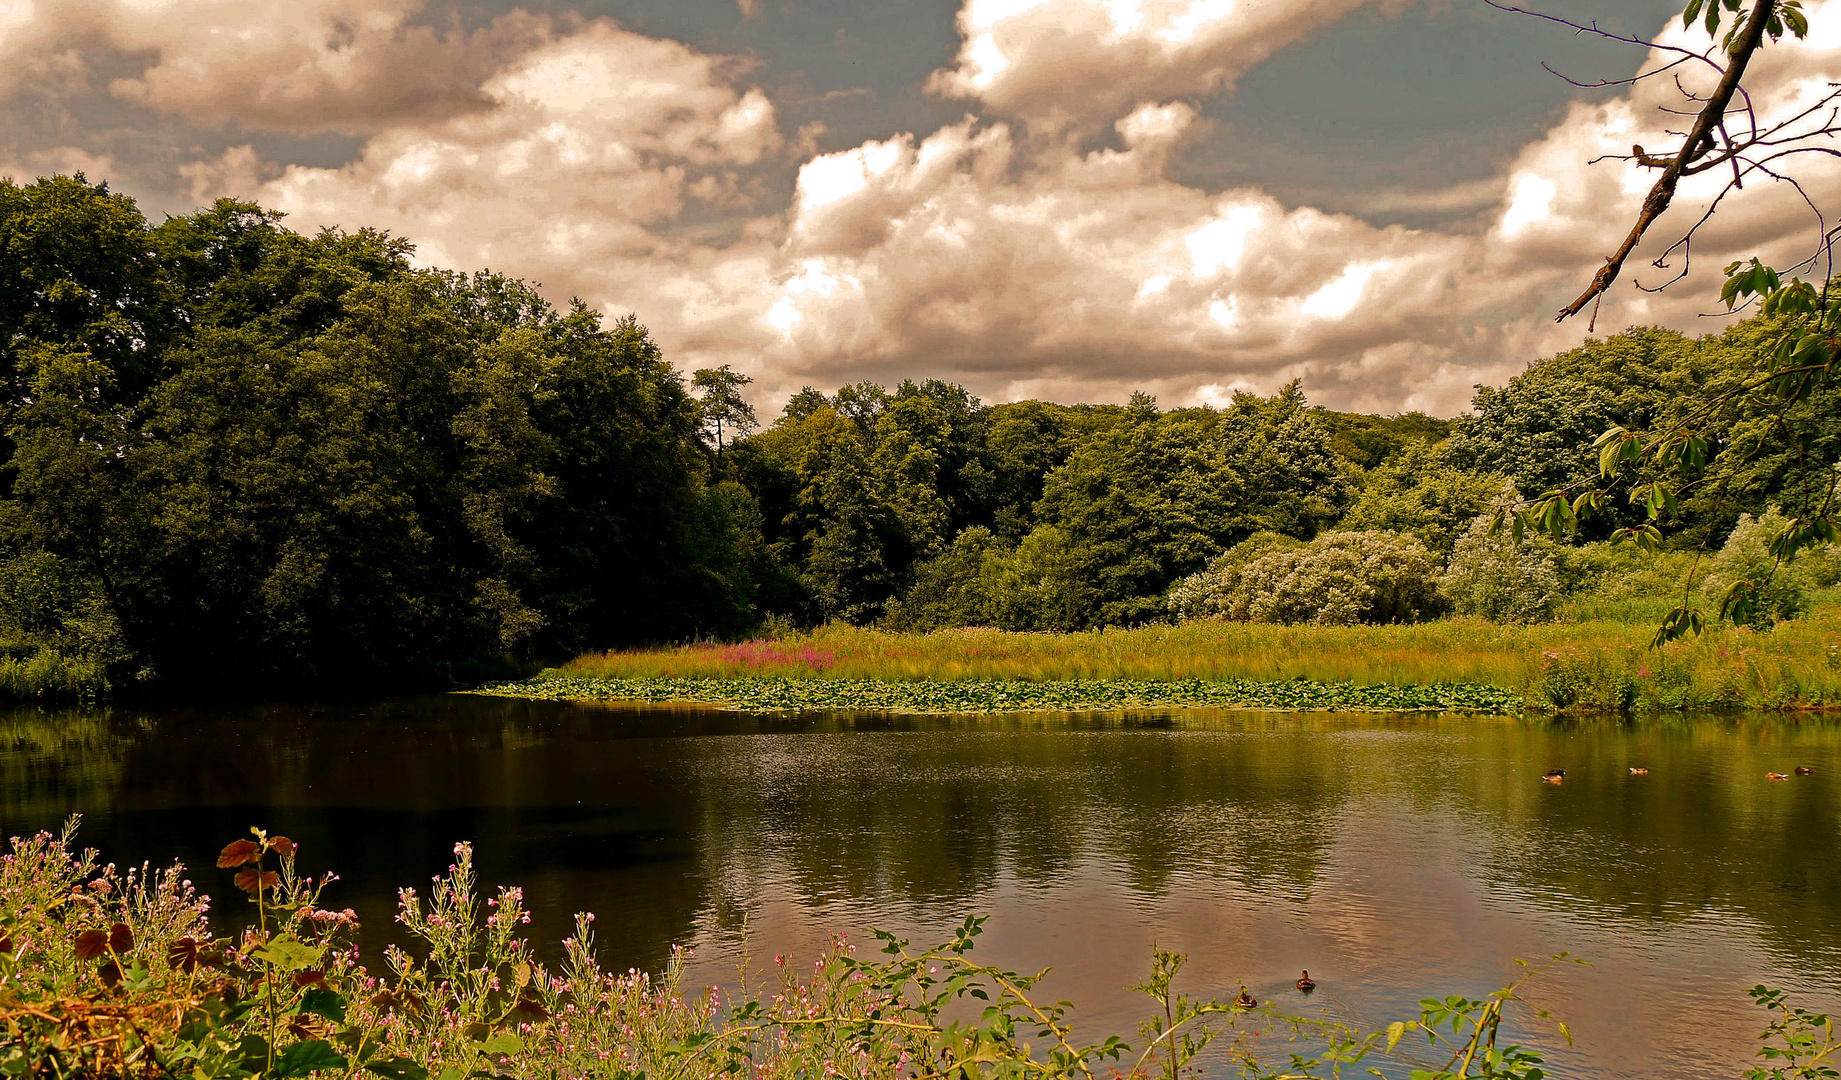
[{"x": 1597, "y": 664}]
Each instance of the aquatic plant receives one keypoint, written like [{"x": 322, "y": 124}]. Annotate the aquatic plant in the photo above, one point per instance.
[{"x": 781, "y": 694}]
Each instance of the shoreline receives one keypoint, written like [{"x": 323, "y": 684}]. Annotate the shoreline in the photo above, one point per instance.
[{"x": 924, "y": 697}]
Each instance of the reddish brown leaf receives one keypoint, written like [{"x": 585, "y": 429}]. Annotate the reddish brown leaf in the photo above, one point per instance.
[
  {"x": 309, "y": 1027},
  {"x": 121, "y": 939},
  {"x": 91, "y": 944},
  {"x": 283, "y": 846},
  {"x": 182, "y": 955},
  {"x": 530, "y": 1006},
  {"x": 109, "y": 974},
  {"x": 309, "y": 977},
  {"x": 248, "y": 877},
  {"x": 237, "y": 853}
]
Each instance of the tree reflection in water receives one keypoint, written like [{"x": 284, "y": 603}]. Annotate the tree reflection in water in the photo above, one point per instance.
[{"x": 1394, "y": 857}]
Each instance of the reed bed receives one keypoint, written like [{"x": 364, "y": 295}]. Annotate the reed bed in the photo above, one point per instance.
[{"x": 1583, "y": 666}]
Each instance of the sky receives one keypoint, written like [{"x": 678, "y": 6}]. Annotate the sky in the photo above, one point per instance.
[{"x": 1061, "y": 199}]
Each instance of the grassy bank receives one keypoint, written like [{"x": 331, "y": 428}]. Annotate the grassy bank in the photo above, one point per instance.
[{"x": 1586, "y": 666}]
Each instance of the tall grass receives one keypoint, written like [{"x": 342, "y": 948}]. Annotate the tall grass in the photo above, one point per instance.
[
  {"x": 49, "y": 675},
  {"x": 1582, "y": 665}
]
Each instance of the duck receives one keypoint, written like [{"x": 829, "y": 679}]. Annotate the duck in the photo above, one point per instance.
[
  {"x": 1638, "y": 770},
  {"x": 1776, "y": 776},
  {"x": 1246, "y": 1000},
  {"x": 1306, "y": 983},
  {"x": 1553, "y": 776},
  {"x": 1804, "y": 770}
]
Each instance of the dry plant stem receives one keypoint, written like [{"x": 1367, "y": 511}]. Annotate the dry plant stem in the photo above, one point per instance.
[{"x": 1698, "y": 143}]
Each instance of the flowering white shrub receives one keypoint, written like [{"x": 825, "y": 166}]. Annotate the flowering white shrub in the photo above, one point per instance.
[
  {"x": 1500, "y": 578},
  {"x": 1747, "y": 556},
  {"x": 1338, "y": 579}
]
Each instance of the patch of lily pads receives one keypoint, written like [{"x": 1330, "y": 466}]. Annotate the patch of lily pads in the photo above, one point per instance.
[{"x": 780, "y": 695}]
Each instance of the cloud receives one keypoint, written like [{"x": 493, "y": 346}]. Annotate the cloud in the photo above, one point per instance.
[
  {"x": 1062, "y": 62},
  {"x": 303, "y": 66},
  {"x": 1093, "y": 270},
  {"x": 590, "y": 155},
  {"x": 1021, "y": 267},
  {"x": 647, "y": 176}
]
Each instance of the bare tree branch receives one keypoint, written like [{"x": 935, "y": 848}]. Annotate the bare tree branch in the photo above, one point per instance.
[{"x": 1697, "y": 144}]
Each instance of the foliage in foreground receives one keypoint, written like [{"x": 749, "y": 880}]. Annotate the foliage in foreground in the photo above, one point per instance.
[{"x": 103, "y": 974}]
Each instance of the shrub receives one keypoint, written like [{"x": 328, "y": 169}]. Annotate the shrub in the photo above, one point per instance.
[
  {"x": 1038, "y": 586},
  {"x": 1210, "y": 593},
  {"x": 1337, "y": 579},
  {"x": 1746, "y": 558},
  {"x": 1501, "y": 578},
  {"x": 949, "y": 589},
  {"x": 58, "y": 639}
]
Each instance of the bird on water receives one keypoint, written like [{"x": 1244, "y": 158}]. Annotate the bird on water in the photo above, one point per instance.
[
  {"x": 1306, "y": 983},
  {"x": 1776, "y": 776},
  {"x": 1246, "y": 1000},
  {"x": 1553, "y": 776},
  {"x": 1804, "y": 770},
  {"x": 1638, "y": 770}
]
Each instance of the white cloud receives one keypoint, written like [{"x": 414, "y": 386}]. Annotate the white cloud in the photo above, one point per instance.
[
  {"x": 601, "y": 162},
  {"x": 1530, "y": 203},
  {"x": 1059, "y": 62},
  {"x": 305, "y": 65},
  {"x": 1338, "y": 298}
]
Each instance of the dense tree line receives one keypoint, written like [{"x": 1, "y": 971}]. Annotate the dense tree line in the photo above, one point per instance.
[
  {"x": 237, "y": 453},
  {"x": 234, "y": 452}
]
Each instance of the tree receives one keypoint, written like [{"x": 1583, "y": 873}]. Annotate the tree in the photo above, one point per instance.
[
  {"x": 1425, "y": 492},
  {"x": 722, "y": 404},
  {"x": 243, "y": 453},
  {"x": 1799, "y": 359}
]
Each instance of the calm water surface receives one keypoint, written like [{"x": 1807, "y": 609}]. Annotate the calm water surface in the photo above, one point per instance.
[{"x": 1394, "y": 858}]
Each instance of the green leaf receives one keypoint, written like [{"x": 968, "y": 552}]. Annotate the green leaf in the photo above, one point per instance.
[
  {"x": 307, "y": 1057},
  {"x": 396, "y": 1068},
  {"x": 504, "y": 1043},
  {"x": 252, "y": 1052},
  {"x": 321, "y": 1001},
  {"x": 288, "y": 954}
]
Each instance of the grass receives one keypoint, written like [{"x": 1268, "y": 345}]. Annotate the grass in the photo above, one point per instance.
[
  {"x": 48, "y": 675},
  {"x": 1598, "y": 664}
]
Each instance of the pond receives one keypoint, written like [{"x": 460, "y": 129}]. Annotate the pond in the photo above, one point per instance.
[{"x": 1395, "y": 857}]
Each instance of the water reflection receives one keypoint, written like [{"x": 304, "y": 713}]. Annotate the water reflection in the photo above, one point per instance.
[{"x": 1394, "y": 857}]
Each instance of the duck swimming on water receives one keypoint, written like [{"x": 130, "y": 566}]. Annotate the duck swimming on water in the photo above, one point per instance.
[
  {"x": 1246, "y": 1000},
  {"x": 1306, "y": 983},
  {"x": 1804, "y": 770},
  {"x": 1638, "y": 770},
  {"x": 1776, "y": 776},
  {"x": 1553, "y": 776}
]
